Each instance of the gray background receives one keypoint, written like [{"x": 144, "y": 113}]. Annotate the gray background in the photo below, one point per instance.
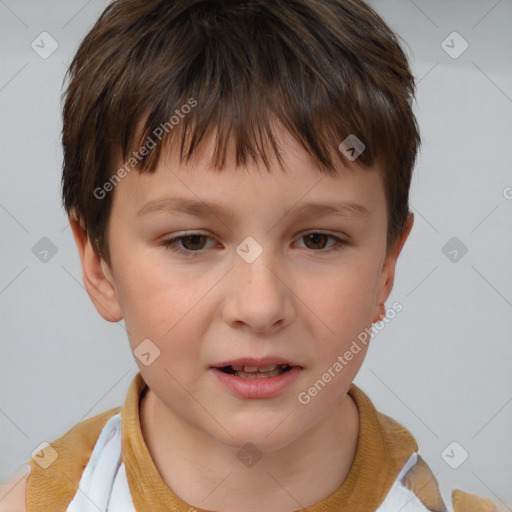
[{"x": 441, "y": 367}]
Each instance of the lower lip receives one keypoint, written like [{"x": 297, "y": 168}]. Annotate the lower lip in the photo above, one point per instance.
[{"x": 266, "y": 387}]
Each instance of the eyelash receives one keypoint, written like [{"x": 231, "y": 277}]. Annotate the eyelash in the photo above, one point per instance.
[{"x": 171, "y": 243}]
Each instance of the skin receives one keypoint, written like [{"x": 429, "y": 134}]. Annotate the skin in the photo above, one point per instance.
[{"x": 300, "y": 300}]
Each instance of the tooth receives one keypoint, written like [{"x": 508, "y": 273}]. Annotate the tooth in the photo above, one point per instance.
[
  {"x": 237, "y": 368},
  {"x": 274, "y": 373},
  {"x": 268, "y": 368},
  {"x": 250, "y": 368},
  {"x": 258, "y": 375}
]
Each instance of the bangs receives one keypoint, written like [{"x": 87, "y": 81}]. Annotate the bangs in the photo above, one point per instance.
[
  {"x": 242, "y": 69},
  {"x": 156, "y": 74}
]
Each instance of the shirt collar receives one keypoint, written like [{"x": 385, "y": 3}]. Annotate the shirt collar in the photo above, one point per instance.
[{"x": 383, "y": 447}]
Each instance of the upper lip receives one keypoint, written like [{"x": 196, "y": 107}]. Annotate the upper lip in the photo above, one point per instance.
[{"x": 256, "y": 363}]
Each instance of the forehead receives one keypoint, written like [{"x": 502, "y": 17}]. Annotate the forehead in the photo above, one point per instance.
[{"x": 299, "y": 181}]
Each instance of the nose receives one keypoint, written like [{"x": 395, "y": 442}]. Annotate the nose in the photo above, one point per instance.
[{"x": 258, "y": 297}]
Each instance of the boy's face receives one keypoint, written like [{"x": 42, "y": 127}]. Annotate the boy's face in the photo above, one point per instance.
[{"x": 302, "y": 300}]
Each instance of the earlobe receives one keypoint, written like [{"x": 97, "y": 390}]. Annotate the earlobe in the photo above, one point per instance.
[
  {"x": 98, "y": 279},
  {"x": 387, "y": 275}
]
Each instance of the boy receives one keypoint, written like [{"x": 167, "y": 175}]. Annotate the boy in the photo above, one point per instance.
[{"x": 281, "y": 135}]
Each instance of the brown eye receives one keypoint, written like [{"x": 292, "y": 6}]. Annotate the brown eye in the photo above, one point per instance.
[
  {"x": 193, "y": 242},
  {"x": 189, "y": 244},
  {"x": 317, "y": 240}
]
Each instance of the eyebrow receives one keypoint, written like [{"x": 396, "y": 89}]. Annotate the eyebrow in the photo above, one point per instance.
[{"x": 208, "y": 209}]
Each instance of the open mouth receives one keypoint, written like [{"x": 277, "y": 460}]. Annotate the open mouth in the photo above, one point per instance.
[{"x": 251, "y": 372}]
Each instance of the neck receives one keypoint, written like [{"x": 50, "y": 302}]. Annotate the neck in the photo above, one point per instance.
[{"x": 199, "y": 469}]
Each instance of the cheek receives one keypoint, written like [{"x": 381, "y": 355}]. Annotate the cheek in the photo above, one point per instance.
[
  {"x": 159, "y": 306},
  {"x": 343, "y": 308},
  {"x": 344, "y": 302}
]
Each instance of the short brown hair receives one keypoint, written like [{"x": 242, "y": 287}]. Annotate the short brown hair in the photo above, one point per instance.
[{"x": 325, "y": 69}]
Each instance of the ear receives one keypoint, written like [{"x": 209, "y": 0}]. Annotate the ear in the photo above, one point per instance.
[
  {"x": 387, "y": 275},
  {"x": 97, "y": 276}
]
